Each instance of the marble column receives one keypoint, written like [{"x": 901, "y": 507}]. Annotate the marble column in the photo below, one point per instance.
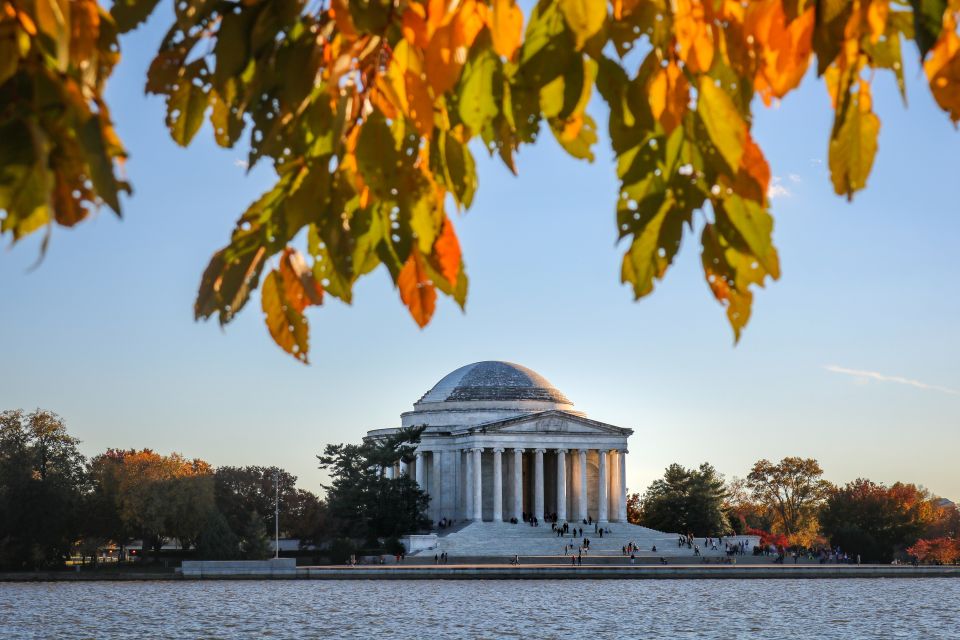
[
  {"x": 389, "y": 472},
  {"x": 582, "y": 481},
  {"x": 622, "y": 502},
  {"x": 538, "y": 485},
  {"x": 418, "y": 469},
  {"x": 404, "y": 468},
  {"x": 561, "y": 485},
  {"x": 468, "y": 493},
  {"x": 497, "y": 485},
  {"x": 518, "y": 484},
  {"x": 477, "y": 486},
  {"x": 602, "y": 500}
]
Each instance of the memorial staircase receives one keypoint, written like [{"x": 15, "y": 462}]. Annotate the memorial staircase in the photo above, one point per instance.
[{"x": 504, "y": 540}]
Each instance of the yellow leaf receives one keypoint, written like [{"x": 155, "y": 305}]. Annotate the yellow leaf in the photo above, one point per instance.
[
  {"x": 416, "y": 290},
  {"x": 584, "y": 17},
  {"x": 694, "y": 35},
  {"x": 506, "y": 27},
  {"x": 854, "y": 143},
  {"x": 668, "y": 94},
  {"x": 726, "y": 127},
  {"x": 84, "y": 29}
]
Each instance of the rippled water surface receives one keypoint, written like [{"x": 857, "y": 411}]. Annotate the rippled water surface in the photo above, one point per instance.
[{"x": 769, "y": 609}]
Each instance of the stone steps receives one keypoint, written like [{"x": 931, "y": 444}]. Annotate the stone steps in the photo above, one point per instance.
[{"x": 504, "y": 539}]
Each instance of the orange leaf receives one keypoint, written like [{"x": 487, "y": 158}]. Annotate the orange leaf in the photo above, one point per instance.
[
  {"x": 877, "y": 13},
  {"x": 694, "y": 35},
  {"x": 416, "y": 290},
  {"x": 340, "y": 11},
  {"x": 753, "y": 177},
  {"x": 446, "y": 252},
  {"x": 415, "y": 27},
  {"x": 669, "y": 94},
  {"x": 506, "y": 27},
  {"x": 783, "y": 51},
  {"x": 943, "y": 70},
  {"x": 447, "y": 52},
  {"x": 300, "y": 289},
  {"x": 84, "y": 29}
]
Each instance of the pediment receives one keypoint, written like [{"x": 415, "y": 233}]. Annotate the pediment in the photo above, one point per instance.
[{"x": 559, "y": 422}]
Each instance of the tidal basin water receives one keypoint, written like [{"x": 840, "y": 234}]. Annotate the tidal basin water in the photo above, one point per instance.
[{"x": 566, "y": 609}]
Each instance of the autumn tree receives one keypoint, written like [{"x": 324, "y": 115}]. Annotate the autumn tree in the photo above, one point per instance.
[
  {"x": 634, "y": 508},
  {"x": 42, "y": 489},
  {"x": 370, "y": 113},
  {"x": 686, "y": 500},
  {"x": 742, "y": 510},
  {"x": 791, "y": 491},
  {"x": 158, "y": 497},
  {"x": 876, "y": 521}
]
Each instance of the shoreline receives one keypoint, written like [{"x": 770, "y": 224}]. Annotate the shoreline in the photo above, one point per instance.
[{"x": 522, "y": 572}]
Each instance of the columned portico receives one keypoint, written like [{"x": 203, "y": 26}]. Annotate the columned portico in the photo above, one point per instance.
[
  {"x": 538, "y": 484},
  {"x": 518, "y": 484},
  {"x": 497, "y": 485},
  {"x": 558, "y": 461},
  {"x": 582, "y": 484},
  {"x": 477, "y": 486},
  {"x": 561, "y": 485},
  {"x": 602, "y": 500}
]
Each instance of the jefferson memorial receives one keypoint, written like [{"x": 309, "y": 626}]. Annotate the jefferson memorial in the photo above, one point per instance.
[{"x": 500, "y": 441}]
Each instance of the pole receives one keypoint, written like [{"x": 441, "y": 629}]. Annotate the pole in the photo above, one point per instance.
[{"x": 276, "y": 513}]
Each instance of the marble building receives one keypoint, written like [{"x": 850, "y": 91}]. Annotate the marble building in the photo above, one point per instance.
[{"x": 501, "y": 441}]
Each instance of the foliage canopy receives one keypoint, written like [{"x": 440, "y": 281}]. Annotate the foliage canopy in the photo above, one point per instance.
[{"x": 367, "y": 109}]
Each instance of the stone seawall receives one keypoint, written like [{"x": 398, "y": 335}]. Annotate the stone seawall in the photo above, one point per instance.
[{"x": 523, "y": 572}]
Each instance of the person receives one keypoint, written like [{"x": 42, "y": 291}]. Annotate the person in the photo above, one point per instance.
[
  {"x": 436, "y": 559},
  {"x": 601, "y": 533},
  {"x": 654, "y": 548},
  {"x": 573, "y": 559},
  {"x": 633, "y": 559}
]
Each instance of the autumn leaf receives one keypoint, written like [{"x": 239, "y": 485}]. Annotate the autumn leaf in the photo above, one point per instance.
[
  {"x": 506, "y": 27},
  {"x": 943, "y": 73},
  {"x": 694, "y": 34},
  {"x": 854, "y": 144},
  {"x": 585, "y": 18},
  {"x": 416, "y": 290},
  {"x": 286, "y": 324},
  {"x": 723, "y": 122}
]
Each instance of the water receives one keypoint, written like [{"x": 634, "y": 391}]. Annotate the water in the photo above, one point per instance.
[{"x": 566, "y": 609}]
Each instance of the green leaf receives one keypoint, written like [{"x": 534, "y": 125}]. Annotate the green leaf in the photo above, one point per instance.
[
  {"x": 227, "y": 283},
  {"x": 232, "y": 50},
  {"x": 95, "y": 153},
  {"x": 642, "y": 262},
  {"x": 927, "y": 22},
  {"x": 828, "y": 32},
  {"x": 452, "y": 164},
  {"x": 325, "y": 269},
  {"x": 370, "y": 15},
  {"x": 188, "y": 103},
  {"x": 853, "y": 147},
  {"x": 584, "y": 17},
  {"x": 480, "y": 89},
  {"x": 754, "y": 224},
  {"x": 377, "y": 157},
  {"x": 547, "y": 48},
  {"x": 130, "y": 13},
  {"x": 722, "y": 121}
]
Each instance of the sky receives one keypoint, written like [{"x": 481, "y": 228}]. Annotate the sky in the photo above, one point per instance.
[{"x": 850, "y": 358}]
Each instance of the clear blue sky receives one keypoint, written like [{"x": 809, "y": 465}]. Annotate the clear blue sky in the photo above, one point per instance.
[{"x": 102, "y": 332}]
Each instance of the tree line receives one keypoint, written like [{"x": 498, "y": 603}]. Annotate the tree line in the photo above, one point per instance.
[
  {"x": 56, "y": 504},
  {"x": 790, "y": 506}
]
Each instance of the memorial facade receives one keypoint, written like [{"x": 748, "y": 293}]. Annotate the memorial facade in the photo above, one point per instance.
[{"x": 500, "y": 441}]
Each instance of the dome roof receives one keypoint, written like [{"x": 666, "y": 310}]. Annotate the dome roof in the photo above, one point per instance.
[{"x": 493, "y": 380}]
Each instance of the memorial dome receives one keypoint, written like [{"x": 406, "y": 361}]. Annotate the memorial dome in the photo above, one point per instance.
[{"x": 493, "y": 380}]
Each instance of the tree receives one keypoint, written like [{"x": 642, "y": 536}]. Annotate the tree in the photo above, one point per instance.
[
  {"x": 936, "y": 551},
  {"x": 158, "y": 497},
  {"x": 875, "y": 521},
  {"x": 362, "y": 503},
  {"x": 42, "y": 487},
  {"x": 744, "y": 514},
  {"x": 686, "y": 500},
  {"x": 634, "y": 508},
  {"x": 791, "y": 491},
  {"x": 367, "y": 111}
]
